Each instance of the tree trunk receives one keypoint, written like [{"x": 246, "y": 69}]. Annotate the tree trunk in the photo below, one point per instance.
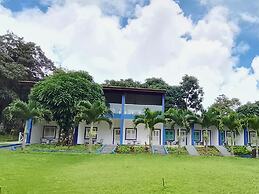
[
  {"x": 256, "y": 146},
  {"x": 206, "y": 141},
  {"x": 150, "y": 137},
  {"x": 232, "y": 143},
  {"x": 179, "y": 140},
  {"x": 91, "y": 137}
]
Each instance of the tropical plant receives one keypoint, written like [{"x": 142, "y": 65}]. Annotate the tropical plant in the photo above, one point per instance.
[
  {"x": 22, "y": 111},
  {"x": 207, "y": 119},
  {"x": 233, "y": 122},
  {"x": 181, "y": 118},
  {"x": 61, "y": 93},
  {"x": 91, "y": 114},
  {"x": 253, "y": 123},
  {"x": 149, "y": 119}
]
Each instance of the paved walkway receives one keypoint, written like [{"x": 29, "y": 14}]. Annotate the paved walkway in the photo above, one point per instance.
[
  {"x": 223, "y": 151},
  {"x": 192, "y": 150},
  {"x": 159, "y": 149}
]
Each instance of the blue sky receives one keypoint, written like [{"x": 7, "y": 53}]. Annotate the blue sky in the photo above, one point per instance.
[
  {"x": 191, "y": 8},
  {"x": 114, "y": 39}
]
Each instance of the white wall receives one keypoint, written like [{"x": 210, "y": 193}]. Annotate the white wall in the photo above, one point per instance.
[
  {"x": 37, "y": 130},
  {"x": 239, "y": 140}
]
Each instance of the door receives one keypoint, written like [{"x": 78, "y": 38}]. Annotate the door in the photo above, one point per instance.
[
  {"x": 156, "y": 137},
  {"x": 209, "y": 137},
  {"x": 183, "y": 138},
  {"x": 116, "y": 136}
]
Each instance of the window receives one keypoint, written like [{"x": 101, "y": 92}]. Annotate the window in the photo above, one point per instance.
[
  {"x": 87, "y": 130},
  {"x": 197, "y": 136},
  {"x": 131, "y": 134},
  {"x": 49, "y": 132},
  {"x": 169, "y": 135}
]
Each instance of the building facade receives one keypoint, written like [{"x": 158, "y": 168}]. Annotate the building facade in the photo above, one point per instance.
[{"x": 125, "y": 103}]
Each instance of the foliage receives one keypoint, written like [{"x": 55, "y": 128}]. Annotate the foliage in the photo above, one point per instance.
[
  {"x": 239, "y": 150},
  {"x": 61, "y": 93},
  {"x": 91, "y": 114},
  {"x": 149, "y": 119},
  {"x": 6, "y": 138},
  {"x": 211, "y": 151},
  {"x": 253, "y": 123},
  {"x": 19, "y": 60},
  {"x": 226, "y": 105},
  {"x": 176, "y": 150},
  {"x": 249, "y": 109},
  {"x": 192, "y": 93},
  {"x": 131, "y": 149},
  {"x": 186, "y": 95}
]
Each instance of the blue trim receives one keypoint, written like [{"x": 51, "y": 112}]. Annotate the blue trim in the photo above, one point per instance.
[
  {"x": 163, "y": 127},
  {"x": 75, "y": 135},
  {"x": 245, "y": 136},
  {"x": 221, "y": 134},
  {"x": 11, "y": 145},
  {"x": 192, "y": 135},
  {"x": 122, "y": 118},
  {"x": 29, "y": 129}
]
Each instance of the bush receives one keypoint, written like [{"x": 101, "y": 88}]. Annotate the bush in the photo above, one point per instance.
[
  {"x": 176, "y": 150},
  {"x": 131, "y": 149},
  {"x": 212, "y": 151},
  {"x": 239, "y": 150}
]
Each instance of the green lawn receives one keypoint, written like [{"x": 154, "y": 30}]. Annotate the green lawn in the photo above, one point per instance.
[{"x": 141, "y": 173}]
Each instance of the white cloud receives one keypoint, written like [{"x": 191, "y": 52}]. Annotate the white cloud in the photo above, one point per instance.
[
  {"x": 80, "y": 36},
  {"x": 249, "y": 18}
]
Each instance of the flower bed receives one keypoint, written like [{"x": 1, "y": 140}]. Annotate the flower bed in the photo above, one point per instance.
[
  {"x": 212, "y": 151},
  {"x": 131, "y": 149},
  {"x": 239, "y": 150},
  {"x": 176, "y": 151}
]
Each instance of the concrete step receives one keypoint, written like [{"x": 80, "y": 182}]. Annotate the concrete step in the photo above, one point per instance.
[
  {"x": 192, "y": 150},
  {"x": 108, "y": 149},
  {"x": 159, "y": 149},
  {"x": 223, "y": 151}
]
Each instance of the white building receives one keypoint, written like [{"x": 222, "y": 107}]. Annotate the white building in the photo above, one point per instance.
[{"x": 125, "y": 103}]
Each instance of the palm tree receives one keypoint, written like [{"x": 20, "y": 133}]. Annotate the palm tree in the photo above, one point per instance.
[
  {"x": 22, "y": 111},
  {"x": 91, "y": 114},
  {"x": 206, "y": 120},
  {"x": 149, "y": 119},
  {"x": 253, "y": 123},
  {"x": 181, "y": 118},
  {"x": 233, "y": 123}
]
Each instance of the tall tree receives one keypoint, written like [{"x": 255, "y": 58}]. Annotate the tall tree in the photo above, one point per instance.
[
  {"x": 19, "y": 61},
  {"x": 249, "y": 109},
  {"x": 192, "y": 93},
  {"x": 91, "y": 114},
  {"x": 149, "y": 119},
  {"x": 22, "y": 111},
  {"x": 123, "y": 83},
  {"x": 61, "y": 93}
]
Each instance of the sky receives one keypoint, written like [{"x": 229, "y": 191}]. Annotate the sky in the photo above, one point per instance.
[{"x": 213, "y": 40}]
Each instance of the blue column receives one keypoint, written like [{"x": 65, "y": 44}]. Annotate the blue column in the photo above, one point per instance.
[
  {"x": 245, "y": 136},
  {"x": 219, "y": 137},
  {"x": 75, "y": 135},
  {"x": 29, "y": 129},
  {"x": 163, "y": 127},
  {"x": 122, "y": 118}
]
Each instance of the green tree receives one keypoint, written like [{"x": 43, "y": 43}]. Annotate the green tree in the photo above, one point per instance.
[
  {"x": 61, "y": 92},
  {"x": 149, "y": 119},
  {"x": 22, "y": 111},
  {"x": 181, "y": 118},
  {"x": 192, "y": 93},
  {"x": 123, "y": 83},
  {"x": 92, "y": 113},
  {"x": 19, "y": 61},
  {"x": 233, "y": 122},
  {"x": 249, "y": 109},
  {"x": 253, "y": 123}
]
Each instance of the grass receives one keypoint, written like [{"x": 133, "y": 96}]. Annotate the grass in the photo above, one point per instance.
[
  {"x": 32, "y": 172},
  {"x": 6, "y": 138}
]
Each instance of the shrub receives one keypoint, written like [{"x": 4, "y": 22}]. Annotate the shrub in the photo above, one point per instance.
[
  {"x": 176, "y": 150},
  {"x": 239, "y": 150},
  {"x": 212, "y": 151},
  {"x": 131, "y": 149}
]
